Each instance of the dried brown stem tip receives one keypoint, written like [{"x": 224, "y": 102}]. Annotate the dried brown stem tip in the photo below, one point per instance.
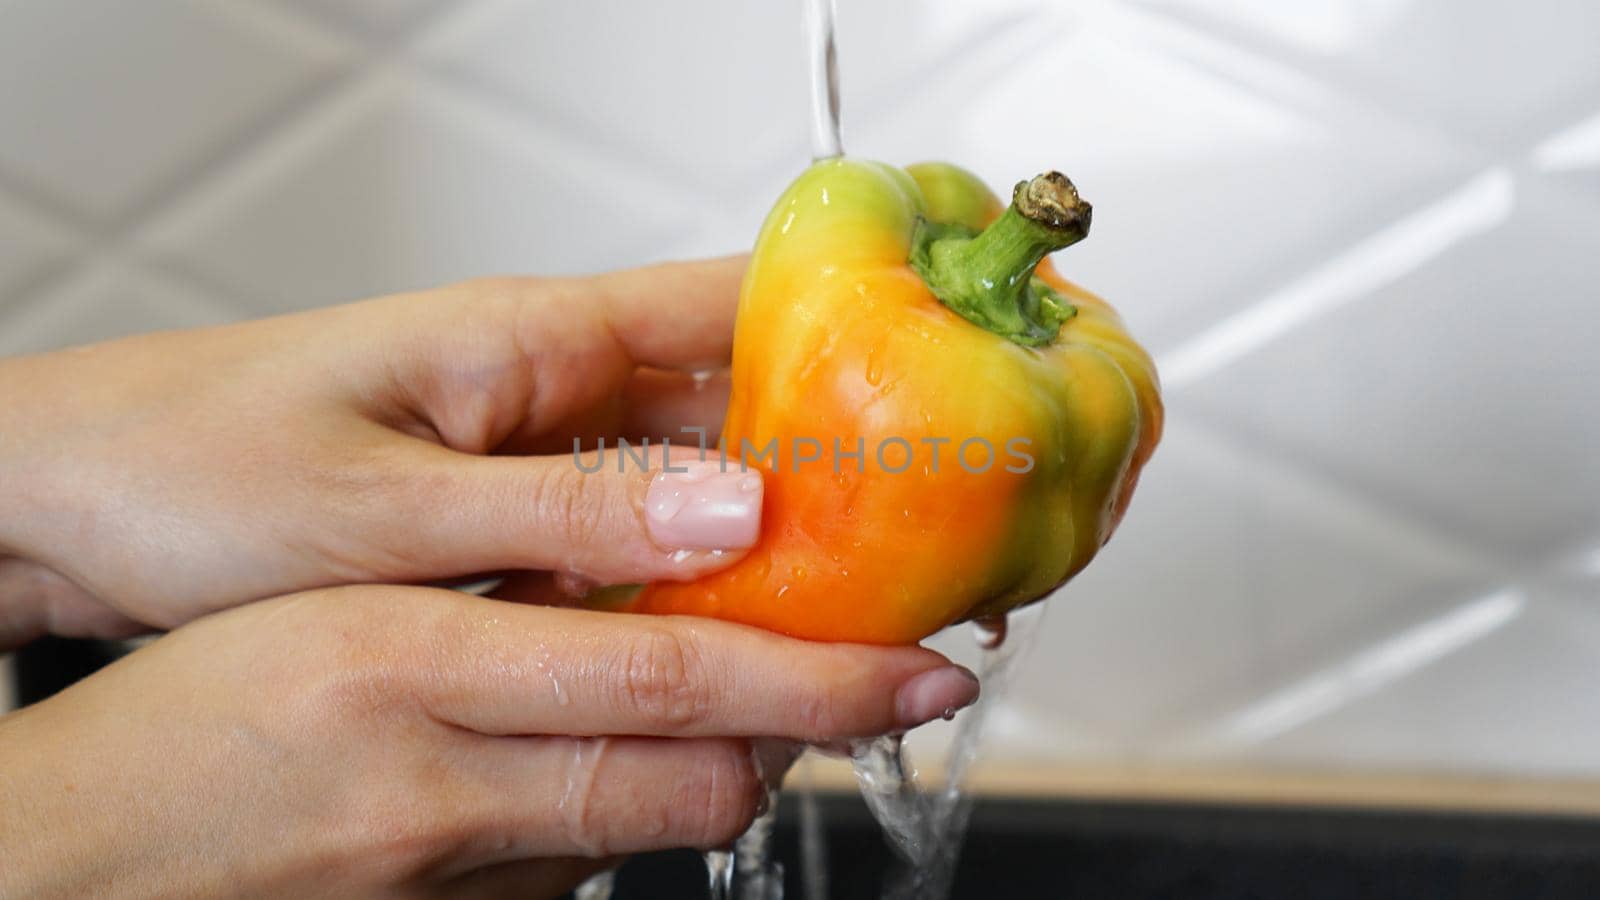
[{"x": 1052, "y": 200}]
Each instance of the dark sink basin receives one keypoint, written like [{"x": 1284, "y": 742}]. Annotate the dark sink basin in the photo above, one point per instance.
[{"x": 1065, "y": 849}]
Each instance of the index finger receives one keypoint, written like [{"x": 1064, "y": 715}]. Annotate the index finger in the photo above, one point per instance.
[
  {"x": 676, "y": 315},
  {"x": 498, "y": 363},
  {"x": 515, "y": 669}
]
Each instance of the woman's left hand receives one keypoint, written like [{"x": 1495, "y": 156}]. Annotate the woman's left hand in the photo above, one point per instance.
[{"x": 378, "y": 741}]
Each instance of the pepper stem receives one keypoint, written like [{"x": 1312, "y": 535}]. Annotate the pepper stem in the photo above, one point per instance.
[{"x": 987, "y": 277}]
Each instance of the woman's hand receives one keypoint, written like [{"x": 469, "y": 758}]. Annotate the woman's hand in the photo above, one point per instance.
[
  {"x": 389, "y": 740},
  {"x": 147, "y": 481}
]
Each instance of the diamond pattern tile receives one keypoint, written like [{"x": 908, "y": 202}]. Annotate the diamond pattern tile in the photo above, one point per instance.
[
  {"x": 726, "y": 99},
  {"x": 1229, "y": 572},
  {"x": 1206, "y": 187},
  {"x": 402, "y": 186},
  {"x": 1016, "y": 730},
  {"x": 1570, "y": 156},
  {"x": 28, "y": 246},
  {"x": 109, "y": 103},
  {"x": 106, "y": 300},
  {"x": 1357, "y": 233},
  {"x": 1432, "y": 58},
  {"x": 1519, "y": 701},
  {"x": 982, "y": 46},
  {"x": 674, "y": 101},
  {"x": 1463, "y": 391},
  {"x": 371, "y": 18}
]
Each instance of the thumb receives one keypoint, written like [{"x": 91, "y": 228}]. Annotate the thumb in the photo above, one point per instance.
[{"x": 611, "y": 517}]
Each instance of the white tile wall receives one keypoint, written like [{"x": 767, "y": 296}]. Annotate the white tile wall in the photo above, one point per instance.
[
  {"x": 1463, "y": 391},
  {"x": 108, "y": 103},
  {"x": 501, "y": 195},
  {"x": 1486, "y": 72},
  {"x": 1571, "y": 156},
  {"x": 30, "y": 246},
  {"x": 372, "y": 18},
  {"x": 1184, "y": 141},
  {"x": 1263, "y": 571},
  {"x": 1359, "y": 234},
  {"x": 109, "y": 298},
  {"x": 1524, "y": 692}
]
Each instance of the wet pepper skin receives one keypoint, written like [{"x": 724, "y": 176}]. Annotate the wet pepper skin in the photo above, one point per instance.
[{"x": 838, "y": 337}]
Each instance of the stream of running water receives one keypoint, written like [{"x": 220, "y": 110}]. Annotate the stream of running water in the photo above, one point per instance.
[{"x": 925, "y": 826}]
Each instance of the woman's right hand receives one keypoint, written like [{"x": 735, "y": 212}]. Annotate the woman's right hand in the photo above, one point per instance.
[
  {"x": 415, "y": 438},
  {"x": 408, "y": 741}
]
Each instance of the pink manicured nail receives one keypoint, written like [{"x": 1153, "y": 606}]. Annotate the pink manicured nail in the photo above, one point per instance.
[
  {"x": 704, "y": 508},
  {"x": 934, "y": 694}
]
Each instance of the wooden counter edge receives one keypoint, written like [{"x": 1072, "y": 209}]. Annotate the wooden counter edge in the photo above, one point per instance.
[{"x": 1269, "y": 787}]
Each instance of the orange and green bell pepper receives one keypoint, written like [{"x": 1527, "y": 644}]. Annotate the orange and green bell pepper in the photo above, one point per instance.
[{"x": 949, "y": 428}]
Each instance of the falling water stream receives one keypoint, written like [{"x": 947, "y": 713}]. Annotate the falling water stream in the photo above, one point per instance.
[
  {"x": 923, "y": 826},
  {"x": 719, "y": 874},
  {"x": 757, "y": 875},
  {"x": 748, "y": 872},
  {"x": 598, "y": 887},
  {"x": 825, "y": 142}
]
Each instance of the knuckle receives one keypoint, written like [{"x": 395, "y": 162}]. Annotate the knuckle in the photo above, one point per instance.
[
  {"x": 363, "y": 477},
  {"x": 407, "y": 825},
  {"x": 562, "y": 501},
  {"x": 663, "y": 680},
  {"x": 399, "y": 811},
  {"x": 375, "y": 498},
  {"x": 361, "y": 690},
  {"x": 394, "y": 837},
  {"x": 353, "y": 650},
  {"x": 817, "y": 714},
  {"x": 728, "y": 796},
  {"x": 342, "y": 662}
]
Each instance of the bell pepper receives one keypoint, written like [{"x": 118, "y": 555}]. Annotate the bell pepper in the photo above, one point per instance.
[{"x": 948, "y": 428}]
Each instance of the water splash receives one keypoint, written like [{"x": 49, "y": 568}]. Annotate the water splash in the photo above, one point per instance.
[
  {"x": 925, "y": 828},
  {"x": 749, "y": 871},
  {"x": 719, "y": 874},
  {"x": 597, "y": 887},
  {"x": 757, "y": 876},
  {"x": 889, "y": 787},
  {"x": 825, "y": 142}
]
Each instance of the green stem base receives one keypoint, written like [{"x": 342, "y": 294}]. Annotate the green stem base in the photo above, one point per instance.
[{"x": 987, "y": 277}]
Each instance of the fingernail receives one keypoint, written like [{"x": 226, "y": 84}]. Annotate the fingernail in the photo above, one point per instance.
[
  {"x": 704, "y": 508},
  {"x": 935, "y": 694}
]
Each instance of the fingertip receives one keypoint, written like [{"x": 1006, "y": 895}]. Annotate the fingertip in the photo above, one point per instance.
[
  {"x": 704, "y": 505},
  {"x": 936, "y": 693},
  {"x": 676, "y": 315}
]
